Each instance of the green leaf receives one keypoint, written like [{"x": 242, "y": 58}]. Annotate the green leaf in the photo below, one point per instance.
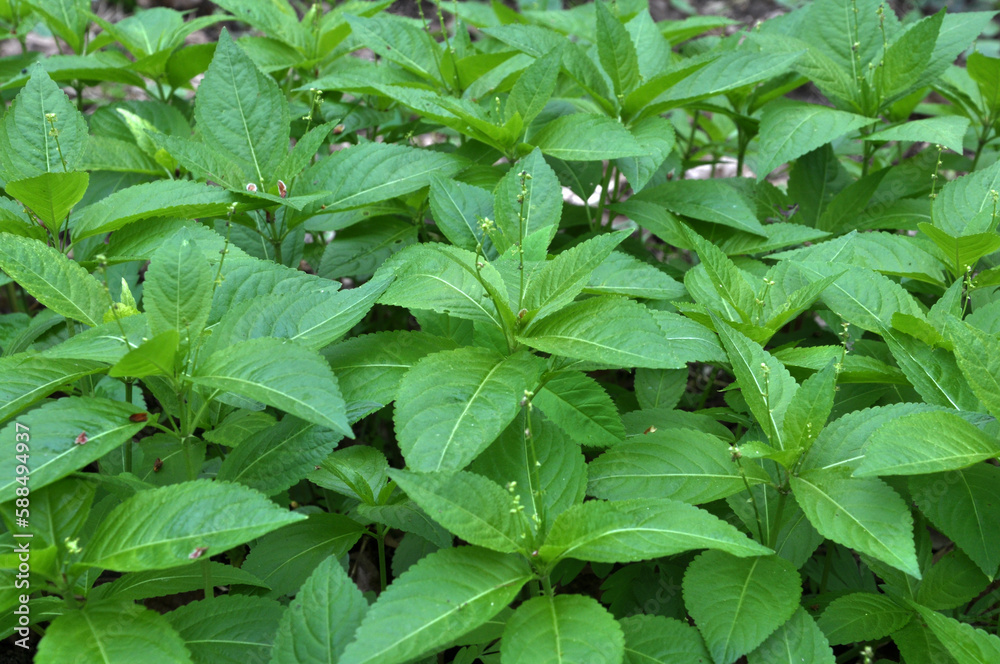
[
  {"x": 965, "y": 206},
  {"x": 810, "y": 407},
  {"x": 906, "y": 58},
  {"x": 50, "y": 195},
  {"x": 276, "y": 458},
  {"x": 798, "y": 640},
  {"x": 359, "y": 251},
  {"x": 546, "y": 470},
  {"x": 687, "y": 465},
  {"x": 243, "y": 113},
  {"x": 926, "y": 443},
  {"x": 586, "y": 137},
  {"x": 443, "y": 279},
  {"x": 458, "y": 210},
  {"x": 655, "y": 136},
  {"x": 862, "y": 617},
  {"x": 607, "y": 329},
  {"x": 559, "y": 281},
  {"x": 160, "y": 583},
  {"x": 111, "y": 633},
  {"x": 53, "y": 429},
  {"x": 966, "y": 643},
  {"x": 738, "y": 602},
  {"x": 962, "y": 505},
  {"x": 284, "y": 558},
  {"x": 616, "y": 51},
  {"x": 154, "y": 200},
  {"x": 540, "y": 205},
  {"x": 444, "y": 418},
  {"x": 562, "y": 629},
  {"x": 789, "y": 129},
  {"x": 946, "y": 130},
  {"x": 985, "y": 71},
  {"x": 57, "y": 282},
  {"x": 864, "y": 514},
  {"x": 581, "y": 407},
  {"x": 469, "y": 505},
  {"x": 27, "y": 145},
  {"x": 229, "y": 629},
  {"x": 720, "y": 201},
  {"x": 166, "y": 527},
  {"x": 30, "y": 378},
  {"x": 640, "y": 529},
  {"x": 373, "y": 172},
  {"x": 534, "y": 87},
  {"x": 399, "y": 42},
  {"x": 178, "y": 288},
  {"x": 370, "y": 367},
  {"x": 768, "y": 391},
  {"x": 978, "y": 357},
  {"x": 441, "y": 597},
  {"x": 152, "y": 358},
  {"x": 658, "y": 640},
  {"x": 292, "y": 379},
  {"x": 321, "y": 620},
  {"x": 951, "y": 582}
]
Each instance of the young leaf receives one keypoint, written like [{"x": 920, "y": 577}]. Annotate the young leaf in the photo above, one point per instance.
[
  {"x": 563, "y": 628},
  {"x": 50, "y": 195},
  {"x": 165, "y": 527},
  {"x": 30, "y": 378},
  {"x": 560, "y": 280},
  {"x": 178, "y": 288},
  {"x": 292, "y": 379},
  {"x": 445, "y": 418},
  {"x": 531, "y": 218},
  {"x": 534, "y": 87},
  {"x": 458, "y": 210},
  {"x": 321, "y": 620},
  {"x": 926, "y": 443},
  {"x": 738, "y": 602},
  {"x": 160, "y": 583},
  {"x": 443, "y": 596},
  {"x": 28, "y": 146},
  {"x": 243, "y": 113},
  {"x": 978, "y": 357},
  {"x": 469, "y": 505},
  {"x": 111, "y": 632},
  {"x": 764, "y": 381},
  {"x": 546, "y": 470},
  {"x": 56, "y": 426},
  {"x": 640, "y": 529},
  {"x": 616, "y": 51},
  {"x": 54, "y": 280},
  {"x": 810, "y": 407},
  {"x": 864, "y": 514}
]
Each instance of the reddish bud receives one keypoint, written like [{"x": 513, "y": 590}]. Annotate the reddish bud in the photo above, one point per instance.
[
  {"x": 251, "y": 187},
  {"x": 82, "y": 438},
  {"x": 198, "y": 552},
  {"x": 157, "y": 465},
  {"x": 138, "y": 417},
  {"x": 282, "y": 189}
]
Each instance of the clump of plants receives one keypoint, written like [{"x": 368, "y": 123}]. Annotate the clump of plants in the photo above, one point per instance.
[{"x": 521, "y": 336}]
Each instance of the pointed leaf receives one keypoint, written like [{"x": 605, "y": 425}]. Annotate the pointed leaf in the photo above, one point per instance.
[
  {"x": 862, "y": 617},
  {"x": 798, "y": 640},
  {"x": 229, "y": 629},
  {"x": 562, "y": 629}
]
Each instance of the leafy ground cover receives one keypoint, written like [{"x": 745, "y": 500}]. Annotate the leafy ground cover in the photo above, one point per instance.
[{"x": 556, "y": 335}]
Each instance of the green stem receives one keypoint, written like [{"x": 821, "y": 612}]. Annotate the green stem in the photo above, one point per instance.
[
  {"x": 206, "y": 575},
  {"x": 128, "y": 443},
  {"x": 547, "y": 586},
  {"x": 773, "y": 535},
  {"x": 598, "y": 220},
  {"x": 380, "y": 539},
  {"x": 827, "y": 566},
  {"x": 15, "y": 304}
]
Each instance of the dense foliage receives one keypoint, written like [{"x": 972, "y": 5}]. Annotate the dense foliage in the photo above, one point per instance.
[{"x": 552, "y": 336}]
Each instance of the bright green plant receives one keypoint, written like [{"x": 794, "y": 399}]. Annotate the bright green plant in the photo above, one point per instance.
[{"x": 468, "y": 352}]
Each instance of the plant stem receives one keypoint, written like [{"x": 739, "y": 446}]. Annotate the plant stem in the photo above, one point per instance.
[
  {"x": 827, "y": 566},
  {"x": 773, "y": 535},
  {"x": 380, "y": 539},
  {"x": 547, "y": 586},
  {"x": 128, "y": 443},
  {"x": 15, "y": 305},
  {"x": 206, "y": 575}
]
